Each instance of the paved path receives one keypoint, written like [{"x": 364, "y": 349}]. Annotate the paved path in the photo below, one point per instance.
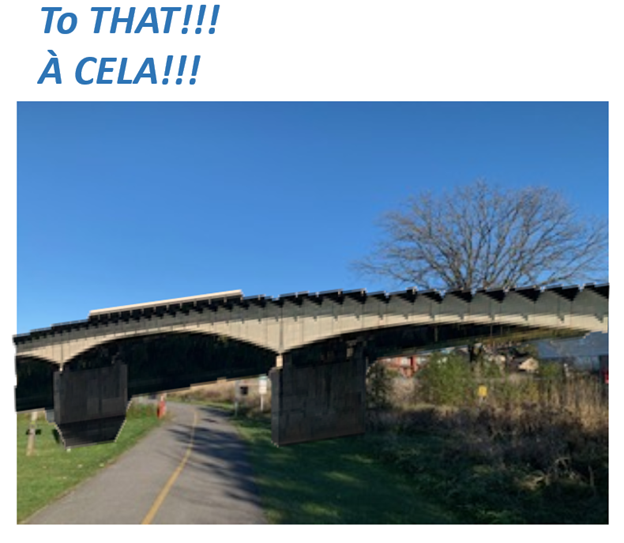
[{"x": 214, "y": 483}]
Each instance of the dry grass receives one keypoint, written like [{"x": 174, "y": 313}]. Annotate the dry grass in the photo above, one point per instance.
[
  {"x": 529, "y": 442},
  {"x": 220, "y": 391},
  {"x": 534, "y": 450},
  {"x": 522, "y": 419},
  {"x": 581, "y": 396},
  {"x": 224, "y": 393}
]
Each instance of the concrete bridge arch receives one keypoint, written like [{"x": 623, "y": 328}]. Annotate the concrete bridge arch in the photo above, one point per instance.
[
  {"x": 342, "y": 324},
  {"x": 155, "y": 362}
]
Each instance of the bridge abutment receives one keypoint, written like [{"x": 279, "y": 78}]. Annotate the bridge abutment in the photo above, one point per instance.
[{"x": 325, "y": 400}]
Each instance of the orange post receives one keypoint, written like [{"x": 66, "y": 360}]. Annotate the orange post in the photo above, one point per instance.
[{"x": 162, "y": 407}]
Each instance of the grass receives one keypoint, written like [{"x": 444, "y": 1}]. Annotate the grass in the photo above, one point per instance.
[
  {"x": 332, "y": 482},
  {"x": 535, "y": 451},
  {"x": 52, "y": 471},
  {"x": 497, "y": 467},
  {"x": 337, "y": 481},
  {"x": 432, "y": 467},
  {"x": 223, "y": 405},
  {"x": 531, "y": 455},
  {"x": 221, "y": 394}
]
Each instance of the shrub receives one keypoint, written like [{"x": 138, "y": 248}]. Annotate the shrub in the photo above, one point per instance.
[
  {"x": 446, "y": 380},
  {"x": 379, "y": 388}
]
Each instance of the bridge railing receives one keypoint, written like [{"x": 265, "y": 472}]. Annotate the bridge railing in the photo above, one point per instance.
[
  {"x": 51, "y": 328},
  {"x": 69, "y": 323}
]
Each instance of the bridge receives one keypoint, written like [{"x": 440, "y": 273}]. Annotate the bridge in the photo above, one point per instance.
[{"x": 315, "y": 346}]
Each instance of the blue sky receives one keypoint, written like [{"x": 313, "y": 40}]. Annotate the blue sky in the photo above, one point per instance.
[{"x": 122, "y": 203}]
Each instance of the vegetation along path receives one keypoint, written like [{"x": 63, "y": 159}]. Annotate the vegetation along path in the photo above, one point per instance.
[
  {"x": 333, "y": 481},
  {"x": 192, "y": 470},
  {"x": 51, "y": 471}
]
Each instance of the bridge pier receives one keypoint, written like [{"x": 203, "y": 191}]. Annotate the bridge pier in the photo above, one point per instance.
[
  {"x": 90, "y": 405},
  {"x": 322, "y": 400}
]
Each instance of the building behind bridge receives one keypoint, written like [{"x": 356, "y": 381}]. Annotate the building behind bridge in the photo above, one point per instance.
[{"x": 590, "y": 353}]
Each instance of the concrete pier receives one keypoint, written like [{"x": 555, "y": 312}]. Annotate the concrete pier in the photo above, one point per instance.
[{"x": 318, "y": 401}]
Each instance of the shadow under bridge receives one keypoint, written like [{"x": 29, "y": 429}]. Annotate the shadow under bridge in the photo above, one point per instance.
[
  {"x": 171, "y": 361},
  {"x": 155, "y": 363}
]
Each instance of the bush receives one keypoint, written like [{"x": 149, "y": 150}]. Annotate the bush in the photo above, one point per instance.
[
  {"x": 447, "y": 380},
  {"x": 379, "y": 388},
  {"x": 551, "y": 370}
]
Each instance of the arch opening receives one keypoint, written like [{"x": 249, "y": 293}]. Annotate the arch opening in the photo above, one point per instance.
[
  {"x": 34, "y": 388},
  {"x": 176, "y": 360},
  {"x": 401, "y": 339}
]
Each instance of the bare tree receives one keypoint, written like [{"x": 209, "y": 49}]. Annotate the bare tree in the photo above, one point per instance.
[{"x": 481, "y": 236}]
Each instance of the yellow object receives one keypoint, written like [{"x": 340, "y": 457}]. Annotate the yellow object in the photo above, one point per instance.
[
  {"x": 482, "y": 391},
  {"x": 163, "y": 493}
]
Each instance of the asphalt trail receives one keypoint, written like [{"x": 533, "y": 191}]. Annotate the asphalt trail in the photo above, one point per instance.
[{"x": 214, "y": 485}]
